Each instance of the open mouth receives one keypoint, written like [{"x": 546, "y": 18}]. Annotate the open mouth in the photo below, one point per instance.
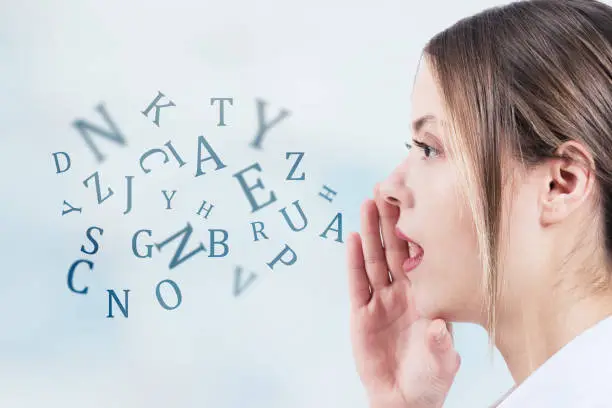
[{"x": 415, "y": 252}]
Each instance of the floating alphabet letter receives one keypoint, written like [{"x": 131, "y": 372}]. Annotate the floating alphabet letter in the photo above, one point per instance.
[
  {"x": 85, "y": 127},
  {"x": 157, "y": 107},
  {"x": 57, "y": 164}
]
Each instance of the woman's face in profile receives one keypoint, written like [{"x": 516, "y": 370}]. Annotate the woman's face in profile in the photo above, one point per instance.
[{"x": 447, "y": 282}]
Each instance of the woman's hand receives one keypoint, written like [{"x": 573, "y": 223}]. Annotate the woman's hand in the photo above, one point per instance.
[{"x": 403, "y": 360}]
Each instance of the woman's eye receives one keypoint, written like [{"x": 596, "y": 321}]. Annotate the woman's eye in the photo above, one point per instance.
[{"x": 427, "y": 149}]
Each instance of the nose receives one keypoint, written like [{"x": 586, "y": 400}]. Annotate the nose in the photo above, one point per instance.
[{"x": 395, "y": 190}]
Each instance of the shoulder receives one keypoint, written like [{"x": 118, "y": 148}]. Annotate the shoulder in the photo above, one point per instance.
[{"x": 578, "y": 375}]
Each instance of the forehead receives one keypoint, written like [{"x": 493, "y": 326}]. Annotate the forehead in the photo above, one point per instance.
[{"x": 426, "y": 99}]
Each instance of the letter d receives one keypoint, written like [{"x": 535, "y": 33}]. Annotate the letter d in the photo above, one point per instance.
[{"x": 57, "y": 163}]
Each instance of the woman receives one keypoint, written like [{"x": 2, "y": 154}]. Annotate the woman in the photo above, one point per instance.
[{"x": 500, "y": 215}]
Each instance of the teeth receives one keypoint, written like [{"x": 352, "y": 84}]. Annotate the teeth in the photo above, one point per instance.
[{"x": 413, "y": 248}]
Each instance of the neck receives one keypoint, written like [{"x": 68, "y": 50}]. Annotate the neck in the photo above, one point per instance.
[{"x": 528, "y": 338}]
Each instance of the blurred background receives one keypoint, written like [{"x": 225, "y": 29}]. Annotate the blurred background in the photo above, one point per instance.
[{"x": 343, "y": 70}]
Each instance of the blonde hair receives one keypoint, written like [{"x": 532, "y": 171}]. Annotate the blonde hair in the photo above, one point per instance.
[{"x": 517, "y": 81}]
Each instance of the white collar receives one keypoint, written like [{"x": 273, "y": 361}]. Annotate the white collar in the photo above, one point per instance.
[{"x": 578, "y": 375}]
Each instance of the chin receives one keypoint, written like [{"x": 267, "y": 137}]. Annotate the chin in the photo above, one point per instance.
[
  {"x": 427, "y": 305},
  {"x": 432, "y": 305}
]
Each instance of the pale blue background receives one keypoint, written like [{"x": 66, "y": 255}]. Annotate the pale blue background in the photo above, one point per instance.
[{"x": 343, "y": 68}]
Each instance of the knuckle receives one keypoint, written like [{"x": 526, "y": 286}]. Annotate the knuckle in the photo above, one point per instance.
[{"x": 372, "y": 259}]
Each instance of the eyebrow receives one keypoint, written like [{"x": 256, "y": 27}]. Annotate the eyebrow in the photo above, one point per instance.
[{"x": 420, "y": 122}]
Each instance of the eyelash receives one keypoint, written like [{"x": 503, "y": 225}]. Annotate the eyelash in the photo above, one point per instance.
[{"x": 422, "y": 146}]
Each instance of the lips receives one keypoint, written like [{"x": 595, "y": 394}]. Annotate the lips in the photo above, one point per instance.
[{"x": 415, "y": 252}]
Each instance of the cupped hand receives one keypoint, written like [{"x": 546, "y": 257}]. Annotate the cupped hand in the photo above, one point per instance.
[{"x": 403, "y": 360}]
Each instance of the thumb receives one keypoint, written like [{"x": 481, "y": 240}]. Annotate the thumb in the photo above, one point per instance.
[{"x": 440, "y": 341}]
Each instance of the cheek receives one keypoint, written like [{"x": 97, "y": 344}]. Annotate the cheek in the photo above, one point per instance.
[
  {"x": 450, "y": 221},
  {"x": 452, "y": 245},
  {"x": 451, "y": 251}
]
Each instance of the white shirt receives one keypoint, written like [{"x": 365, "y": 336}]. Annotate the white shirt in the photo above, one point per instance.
[{"x": 579, "y": 375}]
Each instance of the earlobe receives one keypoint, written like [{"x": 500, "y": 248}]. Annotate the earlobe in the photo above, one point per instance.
[{"x": 554, "y": 211}]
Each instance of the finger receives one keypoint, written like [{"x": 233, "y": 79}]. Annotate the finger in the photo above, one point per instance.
[
  {"x": 396, "y": 249},
  {"x": 374, "y": 254},
  {"x": 438, "y": 336},
  {"x": 359, "y": 286},
  {"x": 440, "y": 340}
]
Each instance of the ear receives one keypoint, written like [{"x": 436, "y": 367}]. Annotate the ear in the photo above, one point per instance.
[{"x": 570, "y": 180}]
